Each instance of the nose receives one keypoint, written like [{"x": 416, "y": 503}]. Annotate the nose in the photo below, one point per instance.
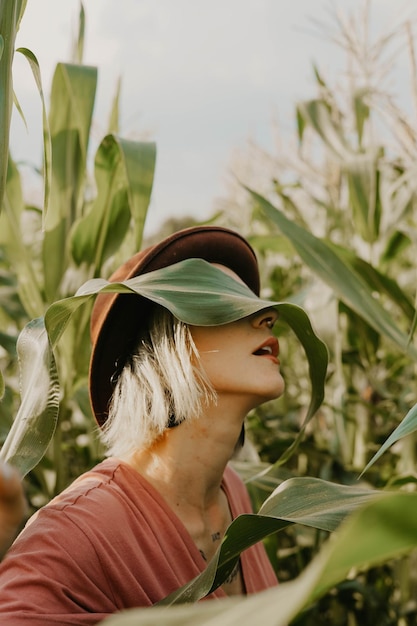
[{"x": 265, "y": 318}]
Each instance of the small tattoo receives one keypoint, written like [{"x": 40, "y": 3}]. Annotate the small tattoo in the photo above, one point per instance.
[
  {"x": 203, "y": 555},
  {"x": 215, "y": 536}
]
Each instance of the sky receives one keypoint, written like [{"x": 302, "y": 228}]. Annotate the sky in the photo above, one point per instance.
[{"x": 199, "y": 77}]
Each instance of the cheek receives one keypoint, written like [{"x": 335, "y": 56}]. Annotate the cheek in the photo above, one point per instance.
[
  {"x": 210, "y": 341},
  {"x": 217, "y": 352}
]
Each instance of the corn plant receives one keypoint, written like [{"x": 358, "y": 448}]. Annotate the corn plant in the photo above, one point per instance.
[
  {"x": 349, "y": 214},
  {"x": 332, "y": 216},
  {"x": 48, "y": 251},
  {"x": 338, "y": 217},
  {"x": 82, "y": 231}
]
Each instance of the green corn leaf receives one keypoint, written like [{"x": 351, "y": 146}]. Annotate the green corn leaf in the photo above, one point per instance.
[
  {"x": 2, "y": 386},
  {"x": 407, "y": 426},
  {"x": 124, "y": 177},
  {"x": 376, "y": 280},
  {"x": 317, "y": 357},
  {"x": 380, "y": 530},
  {"x": 215, "y": 298},
  {"x": 347, "y": 284},
  {"x": 35, "y": 422},
  {"x": 309, "y": 501},
  {"x": 361, "y": 110},
  {"x": 30, "y": 292},
  {"x": 78, "y": 46},
  {"x": 72, "y": 102},
  {"x": 317, "y": 114},
  {"x": 10, "y": 15},
  {"x": 113, "y": 124},
  {"x": 362, "y": 175},
  {"x": 47, "y": 146}
]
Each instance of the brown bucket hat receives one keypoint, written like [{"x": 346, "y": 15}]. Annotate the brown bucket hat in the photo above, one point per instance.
[{"x": 118, "y": 319}]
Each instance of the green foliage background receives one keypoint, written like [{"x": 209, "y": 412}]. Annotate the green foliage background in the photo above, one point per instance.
[{"x": 334, "y": 234}]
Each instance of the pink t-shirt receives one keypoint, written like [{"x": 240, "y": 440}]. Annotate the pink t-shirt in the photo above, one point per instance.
[{"x": 110, "y": 542}]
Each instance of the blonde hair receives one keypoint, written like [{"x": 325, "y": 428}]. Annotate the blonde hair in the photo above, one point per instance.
[{"x": 162, "y": 384}]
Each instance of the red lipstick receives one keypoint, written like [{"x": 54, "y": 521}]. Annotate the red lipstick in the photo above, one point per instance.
[{"x": 269, "y": 349}]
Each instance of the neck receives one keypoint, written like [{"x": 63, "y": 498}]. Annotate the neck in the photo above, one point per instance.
[{"x": 187, "y": 463}]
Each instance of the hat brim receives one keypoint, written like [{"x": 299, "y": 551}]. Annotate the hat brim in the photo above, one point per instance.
[{"x": 118, "y": 319}]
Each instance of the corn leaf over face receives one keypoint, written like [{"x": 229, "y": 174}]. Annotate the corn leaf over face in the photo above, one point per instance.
[
  {"x": 347, "y": 284},
  {"x": 35, "y": 422},
  {"x": 202, "y": 295},
  {"x": 215, "y": 298}
]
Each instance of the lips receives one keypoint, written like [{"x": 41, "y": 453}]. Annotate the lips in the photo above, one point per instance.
[{"x": 270, "y": 347}]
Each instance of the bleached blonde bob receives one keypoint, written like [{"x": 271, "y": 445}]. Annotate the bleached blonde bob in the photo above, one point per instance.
[{"x": 161, "y": 385}]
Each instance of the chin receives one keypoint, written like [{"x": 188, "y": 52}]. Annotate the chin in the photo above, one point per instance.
[
  {"x": 268, "y": 397},
  {"x": 277, "y": 392}
]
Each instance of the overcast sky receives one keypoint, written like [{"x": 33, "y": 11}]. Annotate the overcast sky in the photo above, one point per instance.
[{"x": 200, "y": 77}]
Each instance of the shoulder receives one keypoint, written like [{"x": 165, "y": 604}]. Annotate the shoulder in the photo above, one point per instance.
[
  {"x": 101, "y": 479},
  {"x": 97, "y": 516},
  {"x": 98, "y": 499}
]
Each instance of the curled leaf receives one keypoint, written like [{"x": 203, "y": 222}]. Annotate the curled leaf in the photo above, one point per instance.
[{"x": 35, "y": 422}]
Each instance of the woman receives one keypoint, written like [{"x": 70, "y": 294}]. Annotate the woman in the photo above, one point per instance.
[{"x": 171, "y": 400}]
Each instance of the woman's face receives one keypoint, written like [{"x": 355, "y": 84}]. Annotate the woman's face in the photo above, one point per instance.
[{"x": 241, "y": 358}]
